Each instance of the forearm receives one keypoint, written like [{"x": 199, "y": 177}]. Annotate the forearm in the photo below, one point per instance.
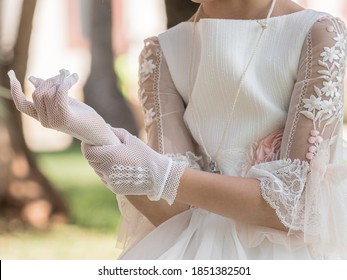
[
  {"x": 233, "y": 197},
  {"x": 156, "y": 212}
]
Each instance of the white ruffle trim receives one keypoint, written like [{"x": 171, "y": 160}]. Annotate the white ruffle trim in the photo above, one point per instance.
[
  {"x": 190, "y": 158},
  {"x": 309, "y": 199},
  {"x": 282, "y": 183}
]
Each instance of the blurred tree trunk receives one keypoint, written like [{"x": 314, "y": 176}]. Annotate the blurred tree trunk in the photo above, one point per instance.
[
  {"x": 101, "y": 90},
  {"x": 26, "y": 196},
  {"x": 179, "y": 10}
]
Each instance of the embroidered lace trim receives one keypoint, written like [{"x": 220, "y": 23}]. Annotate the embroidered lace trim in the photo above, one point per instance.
[
  {"x": 302, "y": 94},
  {"x": 190, "y": 158},
  {"x": 150, "y": 63},
  {"x": 130, "y": 175},
  {"x": 282, "y": 184}
]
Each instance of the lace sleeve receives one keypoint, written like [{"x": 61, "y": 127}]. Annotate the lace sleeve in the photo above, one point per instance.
[
  {"x": 163, "y": 107},
  {"x": 306, "y": 185},
  {"x": 316, "y": 109}
]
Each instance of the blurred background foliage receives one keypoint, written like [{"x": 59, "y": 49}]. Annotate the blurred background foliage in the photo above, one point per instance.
[{"x": 52, "y": 205}]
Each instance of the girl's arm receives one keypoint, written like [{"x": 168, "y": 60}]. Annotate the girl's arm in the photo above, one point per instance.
[{"x": 233, "y": 197}]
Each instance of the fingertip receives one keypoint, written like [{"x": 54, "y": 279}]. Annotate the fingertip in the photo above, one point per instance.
[
  {"x": 75, "y": 77},
  {"x": 11, "y": 74},
  {"x": 64, "y": 72},
  {"x": 62, "y": 75},
  {"x": 35, "y": 81},
  {"x": 71, "y": 80}
]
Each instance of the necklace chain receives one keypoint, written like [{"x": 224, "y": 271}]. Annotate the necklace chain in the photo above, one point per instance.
[{"x": 264, "y": 24}]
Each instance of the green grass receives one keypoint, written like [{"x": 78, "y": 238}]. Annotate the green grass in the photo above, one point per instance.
[
  {"x": 91, "y": 204},
  {"x": 63, "y": 242}
]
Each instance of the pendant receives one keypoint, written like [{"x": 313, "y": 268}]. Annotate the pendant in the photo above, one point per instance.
[{"x": 213, "y": 167}]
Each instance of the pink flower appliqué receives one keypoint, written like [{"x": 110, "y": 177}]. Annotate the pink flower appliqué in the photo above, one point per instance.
[
  {"x": 268, "y": 148},
  {"x": 265, "y": 150}
]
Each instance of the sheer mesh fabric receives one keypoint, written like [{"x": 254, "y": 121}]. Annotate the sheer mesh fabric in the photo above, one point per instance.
[
  {"x": 133, "y": 168},
  {"x": 306, "y": 185},
  {"x": 53, "y": 108}
]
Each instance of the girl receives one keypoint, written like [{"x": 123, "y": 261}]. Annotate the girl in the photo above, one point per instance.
[{"x": 243, "y": 111}]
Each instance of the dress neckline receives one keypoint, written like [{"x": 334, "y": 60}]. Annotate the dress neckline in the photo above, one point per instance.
[{"x": 250, "y": 20}]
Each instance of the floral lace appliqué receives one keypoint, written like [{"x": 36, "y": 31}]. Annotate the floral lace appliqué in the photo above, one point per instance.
[
  {"x": 325, "y": 105},
  {"x": 148, "y": 68}
]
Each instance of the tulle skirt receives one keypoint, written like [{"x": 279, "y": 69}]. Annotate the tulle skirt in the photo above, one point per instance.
[{"x": 199, "y": 234}]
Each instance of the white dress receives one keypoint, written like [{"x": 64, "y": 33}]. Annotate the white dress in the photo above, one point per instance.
[{"x": 286, "y": 131}]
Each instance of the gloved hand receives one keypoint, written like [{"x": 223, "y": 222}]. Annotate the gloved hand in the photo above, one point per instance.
[
  {"x": 133, "y": 168},
  {"x": 55, "y": 109}
]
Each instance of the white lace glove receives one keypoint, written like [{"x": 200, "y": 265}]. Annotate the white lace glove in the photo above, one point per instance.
[
  {"x": 55, "y": 109},
  {"x": 133, "y": 168}
]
